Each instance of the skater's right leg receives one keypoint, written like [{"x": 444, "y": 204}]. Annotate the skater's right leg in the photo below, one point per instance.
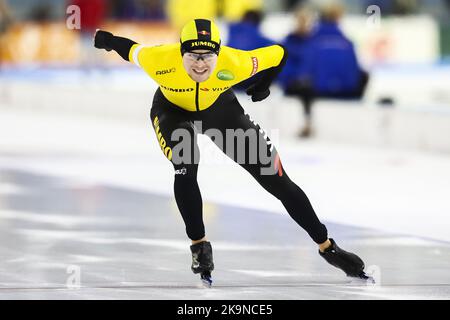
[
  {"x": 189, "y": 201},
  {"x": 174, "y": 129}
]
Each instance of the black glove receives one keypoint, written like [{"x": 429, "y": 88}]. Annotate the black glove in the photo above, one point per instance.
[
  {"x": 101, "y": 39},
  {"x": 257, "y": 94}
]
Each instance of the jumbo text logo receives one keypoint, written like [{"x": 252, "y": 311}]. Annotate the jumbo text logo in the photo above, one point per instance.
[
  {"x": 203, "y": 43},
  {"x": 162, "y": 142}
]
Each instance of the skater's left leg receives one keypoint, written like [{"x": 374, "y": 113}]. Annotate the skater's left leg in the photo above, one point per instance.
[
  {"x": 300, "y": 209},
  {"x": 293, "y": 199},
  {"x": 272, "y": 177}
]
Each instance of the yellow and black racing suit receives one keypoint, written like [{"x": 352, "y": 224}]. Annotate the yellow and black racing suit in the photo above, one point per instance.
[{"x": 183, "y": 108}]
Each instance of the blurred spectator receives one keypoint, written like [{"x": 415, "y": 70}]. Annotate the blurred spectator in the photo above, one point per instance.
[
  {"x": 122, "y": 9},
  {"x": 5, "y": 22},
  {"x": 5, "y": 17},
  {"x": 398, "y": 7},
  {"x": 234, "y": 10},
  {"x": 151, "y": 9},
  {"x": 296, "y": 75},
  {"x": 335, "y": 67},
  {"x": 298, "y": 44},
  {"x": 322, "y": 64},
  {"x": 182, "y": 11},
  {"x": 246, "y": 35},
  {"x": 137, "y": 9},
  {"x": 293, "y": 4},
  {"x": 386, "y": 6},
  {"x": 93, "y": 14},
  {"x": 404, "y": 7},
  {"x": 41, "y": 12}
]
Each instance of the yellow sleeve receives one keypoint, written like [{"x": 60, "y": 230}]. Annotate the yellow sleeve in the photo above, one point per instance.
[
  {"x": 265, "y": 58},
  {"x": 141, "y": 55}
]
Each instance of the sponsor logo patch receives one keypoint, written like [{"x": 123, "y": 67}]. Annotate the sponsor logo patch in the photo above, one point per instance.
[
  {"x": 225, "y": 75},
  {"x": 255, "y": 66},
  {"x": 182, "y": 171},
  {"x": 220, "y": 89},
  {"x": 278, "y": 165},
  {"x": 163, "y": 72},
  {"x": 215, "y": 89},
  {"x": 177, "y": 89},
  {"x": 162, "y": 142}
]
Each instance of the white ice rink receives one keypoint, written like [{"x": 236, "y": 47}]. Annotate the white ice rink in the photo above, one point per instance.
[{"x": 387, "y": 202}]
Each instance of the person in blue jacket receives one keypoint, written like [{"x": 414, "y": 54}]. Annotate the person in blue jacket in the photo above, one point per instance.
[
  {"x": 246, "y": 35},
  {"x": 296, "y": 77},
  {"x": 321, "y": 63}
]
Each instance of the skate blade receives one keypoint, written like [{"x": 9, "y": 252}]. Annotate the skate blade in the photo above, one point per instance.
[
  {"x": 206, "y": 280},
  {"x": 363, "y": 278}
]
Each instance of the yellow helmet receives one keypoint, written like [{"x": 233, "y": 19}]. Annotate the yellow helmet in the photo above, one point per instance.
[{"x": 200, "y": 34}]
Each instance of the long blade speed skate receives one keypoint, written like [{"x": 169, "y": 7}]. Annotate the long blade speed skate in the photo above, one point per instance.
[
  {"x": 202, "y": 261},
  {"x": 348, "y": 262}
]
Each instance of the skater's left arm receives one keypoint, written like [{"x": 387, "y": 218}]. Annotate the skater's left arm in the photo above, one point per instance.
[
  {"x": 108, "y": 41},
  {"x": 273, "y": 59}
]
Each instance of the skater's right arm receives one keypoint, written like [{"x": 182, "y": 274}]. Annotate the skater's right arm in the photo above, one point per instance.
[{"x": 106, "y": 40}]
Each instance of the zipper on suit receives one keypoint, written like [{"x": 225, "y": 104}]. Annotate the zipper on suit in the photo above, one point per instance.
[{"x": 196, "y": 96}]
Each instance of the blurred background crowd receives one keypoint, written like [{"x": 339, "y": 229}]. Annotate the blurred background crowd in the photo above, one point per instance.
[
  {"x": 44, "y": 10},
  {"x": 97, "y": 13},
  {"x": 337, "y": 48}
]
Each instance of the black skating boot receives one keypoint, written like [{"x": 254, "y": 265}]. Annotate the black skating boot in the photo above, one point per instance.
[
  {"x": 348, "y": 262},
  {"x": 202, "y": 261}
]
